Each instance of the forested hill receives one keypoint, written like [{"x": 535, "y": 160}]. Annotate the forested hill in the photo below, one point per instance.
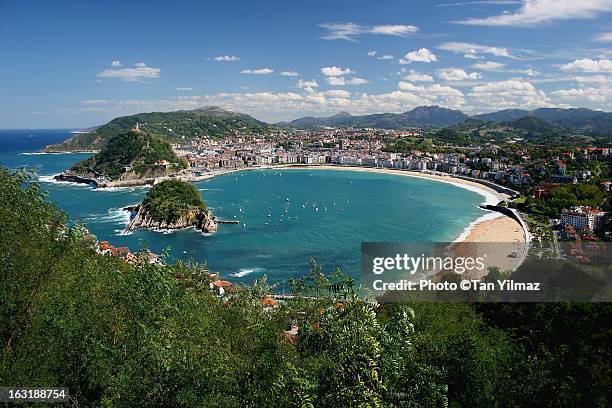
[
  {"x": 178, "y": 126},
  {"x": 130, "y": 155}
]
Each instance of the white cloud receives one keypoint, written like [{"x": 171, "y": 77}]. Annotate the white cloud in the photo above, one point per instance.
[
  {"x": 386, "y": 57},
  {"x": 457, "y": 74},
  {"x": 593, "y": 79},
  {"x": 337, "y": 93},
  {"x": 226, "y": 58},
  {"x": 184, "y": 89},
  {"x": 435, "y": 93},
  {"x": 533, "y": 12},
  {"x": 348, "y": 31},
  {"x": 489, "y": 66},
  {"x": 335, "y": 71},
  {"x": 603, "y": 37},
  {"x": 420, "y": 55},
  {"x": 308, "y": 86},
  {"x": 258, "y": 71},
  {"x": 415, "y": 76},
  {"x": 588, "y": 65},
  {"x": 601, "y": 95},
  {"x": 139, "y": 72},
  {"x": 514, "y": 93},
  {"x": 289, "y": 73},
  {"x": 394, "y": 29},
  {"x": 471, "y": 50},
  {"x": 116, "y": 63},
  {"x": 371, "y": 53},
  {"x": 341, "y": 81}
]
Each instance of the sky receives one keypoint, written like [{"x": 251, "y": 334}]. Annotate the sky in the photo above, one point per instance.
[{"x": 72, "y": 64}]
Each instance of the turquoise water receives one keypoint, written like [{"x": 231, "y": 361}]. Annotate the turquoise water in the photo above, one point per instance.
[{"x": 270, "y": 241}]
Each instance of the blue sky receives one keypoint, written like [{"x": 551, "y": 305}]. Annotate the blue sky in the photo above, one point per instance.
[{"x": 82, "y": 63}]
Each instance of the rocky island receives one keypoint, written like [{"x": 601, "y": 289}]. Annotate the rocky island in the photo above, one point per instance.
[
  {"x": 172, "y": 205},
  {"x": 130, "y": 158}
]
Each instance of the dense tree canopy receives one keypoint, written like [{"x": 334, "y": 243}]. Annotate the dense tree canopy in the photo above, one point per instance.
[{"x": 121, "y": 334}]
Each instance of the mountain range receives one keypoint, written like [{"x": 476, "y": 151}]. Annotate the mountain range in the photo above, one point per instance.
[{"x": 437, "y": 117}]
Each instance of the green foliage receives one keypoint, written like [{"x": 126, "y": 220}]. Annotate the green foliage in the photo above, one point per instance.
[
  {"x": 136, "y": 149},
  {"x": 565, "y": 196},
  {"x": 120, "y": 334},
  {"x": 170, "y": 199}
]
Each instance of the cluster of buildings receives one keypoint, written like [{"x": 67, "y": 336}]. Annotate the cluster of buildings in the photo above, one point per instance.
[{"x": 105, "y": 248}]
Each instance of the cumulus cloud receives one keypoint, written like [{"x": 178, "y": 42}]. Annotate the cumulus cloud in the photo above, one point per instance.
[
  {"x": 420, "y": 55},
  {"x": 588, "y": 65},
  {"x": 341, "y": 81},
  {"x": 337, "y": 93},
  {"x": 457, "y": 74},
  {"x": 415, "y": 76},
  {"x": 386, "y": 57},
  {"x": 139, "y": 72},
  {"x": 226, "y": 58},
  {"x": 308, "y": 86},
  {"x": 489, "y": 66},
  {"x": 471, "y": 50},
  {"x": 371, "y": 53},
  {"x": 514, "y": 93},
  {"x": 435, "y": 93},
  {"x": 289, "y": 73},
  {"x": 349, "y": 31},
  {"x": 258, "y": 71},
  {"x": 335, "y": 71},
  {"x": 184, "y": 89},
  {"x": 533, "y": 12},
  {"x": 116, "y": 63},
  {"x": 601, "y": 95}
]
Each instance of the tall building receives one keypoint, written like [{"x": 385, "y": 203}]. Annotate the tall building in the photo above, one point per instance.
[{"x": 582, "y": 217}]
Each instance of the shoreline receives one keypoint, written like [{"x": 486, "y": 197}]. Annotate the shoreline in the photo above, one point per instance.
[{"x": 490, "y": 227}]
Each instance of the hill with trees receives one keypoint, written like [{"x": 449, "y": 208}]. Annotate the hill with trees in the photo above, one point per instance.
[
  {"x": 173, "y": 204},
  {"x": 130, "y": 155},
  {"x": 174, "y": 127}
]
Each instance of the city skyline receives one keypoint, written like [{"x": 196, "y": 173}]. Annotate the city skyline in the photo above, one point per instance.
[{"x": 278, "y": 61}]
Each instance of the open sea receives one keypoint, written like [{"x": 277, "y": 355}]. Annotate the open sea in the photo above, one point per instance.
[{"x": 286, "y": 216}]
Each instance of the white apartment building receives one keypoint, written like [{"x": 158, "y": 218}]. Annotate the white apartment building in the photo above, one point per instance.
[{"x": 582, "y": 217}]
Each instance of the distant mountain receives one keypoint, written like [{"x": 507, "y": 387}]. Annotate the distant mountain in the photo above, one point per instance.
[
  {"x": 578, "y": 118},
  {"x": 527, "y": 127},
  {"x": 505, "y": 115},
  {"x": 434, "y": 116},
  {"x": 177, "y": 126},
  {"x": 422, "y": 116}
]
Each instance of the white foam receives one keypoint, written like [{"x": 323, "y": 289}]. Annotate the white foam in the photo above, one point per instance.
[
  {"x": 245, "y": 271},
  {"x": 50, "y": 179},
  {"x": 491, "y": 215}
]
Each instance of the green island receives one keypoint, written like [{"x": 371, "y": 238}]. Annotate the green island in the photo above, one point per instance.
[
  {"x": 128, "y": 156},
  {"x": 178, "y": 126},
  {"x": 173, "y": 204},
  {"x": 145, "y": 334}
]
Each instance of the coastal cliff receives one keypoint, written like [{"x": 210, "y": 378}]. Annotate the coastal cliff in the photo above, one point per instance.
[
  {"x": 171, "y": 205},
  {"x": 201, "y": 220}
]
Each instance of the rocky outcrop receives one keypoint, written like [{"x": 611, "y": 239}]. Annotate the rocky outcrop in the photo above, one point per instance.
[{"x": 201, "y": 220}]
